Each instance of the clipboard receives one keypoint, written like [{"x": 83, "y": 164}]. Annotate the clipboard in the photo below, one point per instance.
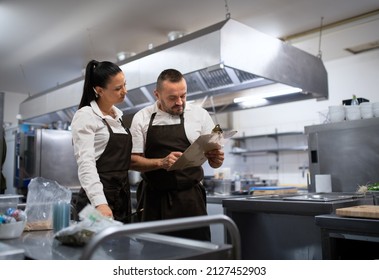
[{"x": 194, "y": 154}]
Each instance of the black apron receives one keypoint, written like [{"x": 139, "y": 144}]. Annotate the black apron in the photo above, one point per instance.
[
  {"x": 112, "y": 167},
  {"x": 172, "y": 194}
]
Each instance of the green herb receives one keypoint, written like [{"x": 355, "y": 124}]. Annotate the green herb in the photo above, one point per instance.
[{"x": 373, "y": 187}]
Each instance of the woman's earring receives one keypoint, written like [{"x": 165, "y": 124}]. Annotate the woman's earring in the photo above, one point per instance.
[{"x": 96, "y": 94}]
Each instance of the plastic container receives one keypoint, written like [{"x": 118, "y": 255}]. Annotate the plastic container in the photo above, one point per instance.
[
  {"x": 9, "y": 201},
  {"x": 375, "y": 109},
  {"x": 366, "y": 110},
  {"x": 61, "y": 215},
  {"x": 336, "y": 113},
  {"x": 12, "y": 230},
  {"x": 352, "y": 113}
]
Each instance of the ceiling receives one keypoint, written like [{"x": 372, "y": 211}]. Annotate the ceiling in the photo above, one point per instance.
[{"x": 44, "y": 44}]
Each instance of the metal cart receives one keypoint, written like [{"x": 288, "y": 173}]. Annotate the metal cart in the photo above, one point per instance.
[{"x": 143, "y": 242}]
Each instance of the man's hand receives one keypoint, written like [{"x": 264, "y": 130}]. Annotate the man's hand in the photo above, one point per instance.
[
  {"x": 215, "y": 158},
  {"x": 169, "y": 160}
]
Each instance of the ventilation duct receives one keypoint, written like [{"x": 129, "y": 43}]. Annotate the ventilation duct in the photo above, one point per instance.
[
  {"x": 228, "y": 57},
  {"x": 225, "y": 59}
]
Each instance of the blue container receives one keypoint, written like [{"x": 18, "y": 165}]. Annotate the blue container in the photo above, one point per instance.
[{"x": 61, "y": 215}]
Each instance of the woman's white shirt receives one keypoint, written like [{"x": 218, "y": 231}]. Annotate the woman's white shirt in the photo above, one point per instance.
[{"x": 90, "y": 137}]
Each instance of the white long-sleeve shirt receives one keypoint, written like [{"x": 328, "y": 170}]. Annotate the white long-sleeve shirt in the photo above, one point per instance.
[
  {"x": 197, "y": 121},
  {"x": 90, "y": 137}
]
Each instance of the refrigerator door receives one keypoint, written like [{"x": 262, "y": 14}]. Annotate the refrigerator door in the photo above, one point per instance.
[
  {"x": 347, "y": 150},
  {"x": 55, "y": 157}
]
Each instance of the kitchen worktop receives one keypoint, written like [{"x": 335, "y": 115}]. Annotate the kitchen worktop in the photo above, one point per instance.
[
  {"x": 282, "y": 227},
  {"x": 41, "y": 245},
  {"x": 134, "y": 241},
  {"x": 296, "y": 203},
  {"x": 211, "y": 197}
]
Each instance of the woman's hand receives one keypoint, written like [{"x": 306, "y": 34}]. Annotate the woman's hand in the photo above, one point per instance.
[{"x": 104, "y": 210}]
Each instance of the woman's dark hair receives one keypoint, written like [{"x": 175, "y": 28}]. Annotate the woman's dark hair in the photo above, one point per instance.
[{"x": 97, "y": 74}]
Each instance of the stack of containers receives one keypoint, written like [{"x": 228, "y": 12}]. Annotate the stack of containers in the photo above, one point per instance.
[
  {"x": 353, "y": 110},
  {"x": 375, "y": 109}
]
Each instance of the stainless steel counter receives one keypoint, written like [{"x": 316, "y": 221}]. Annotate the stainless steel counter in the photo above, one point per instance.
[
  {"x": 297, "y": 204},
  {"x": 273, "y": 227},
  {"x": 129, "y": 244},
  {"x": 40, "y": 245},
  {"x": 211, "y": 198},
  {"x": 8, "y": 252}
]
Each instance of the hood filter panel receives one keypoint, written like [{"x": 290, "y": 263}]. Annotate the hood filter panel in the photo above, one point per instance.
[
  {"x": 216, "y": 78},
  {"x": 136, "y": 96},
  {"x": 244, "y": 76}
]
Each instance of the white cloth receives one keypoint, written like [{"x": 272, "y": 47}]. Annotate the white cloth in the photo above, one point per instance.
[
  {"x": 90, "y": 137},
  {"x": 197, "y": 121}
]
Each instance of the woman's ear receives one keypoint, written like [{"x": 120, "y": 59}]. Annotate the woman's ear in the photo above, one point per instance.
[
  {"x": 96, "y": 94},
  {"x": 98, "y": 91}
]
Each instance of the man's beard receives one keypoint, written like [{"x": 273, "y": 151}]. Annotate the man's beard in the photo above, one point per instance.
[{"x": 173, "y": 110}]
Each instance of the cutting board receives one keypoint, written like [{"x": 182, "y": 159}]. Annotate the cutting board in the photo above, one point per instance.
[
  {"x": 272, "y": 190},
  {"x": 360, "y": 211}
]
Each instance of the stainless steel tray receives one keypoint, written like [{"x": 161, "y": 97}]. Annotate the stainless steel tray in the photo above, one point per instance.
[{"x": 319, "y": 197}]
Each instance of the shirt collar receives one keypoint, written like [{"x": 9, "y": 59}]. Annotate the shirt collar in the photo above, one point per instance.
[{"x": 97, "y": 111}]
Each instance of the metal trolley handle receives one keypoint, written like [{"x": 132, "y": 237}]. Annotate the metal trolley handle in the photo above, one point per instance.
[{"x": 165, "y": 226}]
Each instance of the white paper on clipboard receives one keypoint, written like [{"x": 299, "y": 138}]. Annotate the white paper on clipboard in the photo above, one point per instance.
[{"x": 194, "y": 154}]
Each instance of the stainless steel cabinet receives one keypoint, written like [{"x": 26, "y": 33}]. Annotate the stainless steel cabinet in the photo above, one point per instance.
[
  {"x": 45, "y": 153},
  {"x": 348, "y": 150}
]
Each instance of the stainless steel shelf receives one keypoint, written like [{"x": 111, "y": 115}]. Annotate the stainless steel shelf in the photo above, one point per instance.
[
  {"x": 271, "y": 151},
  {"x": 241, "y": 138}
]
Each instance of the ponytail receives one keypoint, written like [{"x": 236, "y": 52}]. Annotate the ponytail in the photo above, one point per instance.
[{"x": 97, "y": 74}]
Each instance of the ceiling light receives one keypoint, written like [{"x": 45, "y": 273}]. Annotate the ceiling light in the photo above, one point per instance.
[
  {"x": 124, "y": 55},
  {"x": 173, "y": 35},
  {"x": 269, "y": 91},
  {"x": 254, "y": 103},
  {"x": 363, "y": 47}
]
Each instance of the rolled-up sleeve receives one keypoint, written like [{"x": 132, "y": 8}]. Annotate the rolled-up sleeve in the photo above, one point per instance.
[{"x": 138, "y": 130}]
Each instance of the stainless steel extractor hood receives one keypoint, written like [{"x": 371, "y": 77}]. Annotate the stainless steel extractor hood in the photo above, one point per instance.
[
  {"x": 223, "y": 61},
  {"x": 226, "y": 59}
]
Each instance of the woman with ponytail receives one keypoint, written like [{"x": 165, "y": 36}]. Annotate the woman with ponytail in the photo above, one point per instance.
[{"x": 102, "y": 144}]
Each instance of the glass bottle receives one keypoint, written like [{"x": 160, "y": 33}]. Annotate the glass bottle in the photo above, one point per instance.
[{"x": 354, "y": 101}]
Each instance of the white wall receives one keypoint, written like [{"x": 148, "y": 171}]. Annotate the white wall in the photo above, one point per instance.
[
  {"x": 357, "y": 74},
  {"x": 12, "y": 103},
  {"x": 9, "y": 164}
]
